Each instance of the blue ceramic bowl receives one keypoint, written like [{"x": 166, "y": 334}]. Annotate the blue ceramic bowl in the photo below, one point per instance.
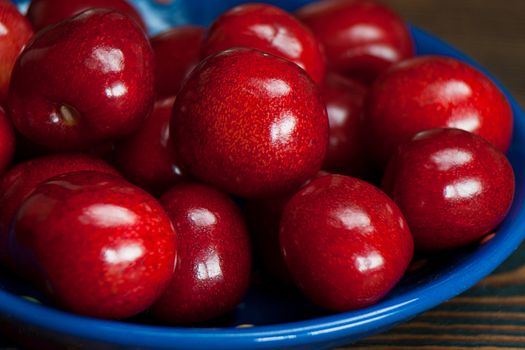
[{"x": 281, "y": 319}]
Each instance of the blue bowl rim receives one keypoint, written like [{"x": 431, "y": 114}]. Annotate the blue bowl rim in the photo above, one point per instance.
[{"x": 318, "y": 330}]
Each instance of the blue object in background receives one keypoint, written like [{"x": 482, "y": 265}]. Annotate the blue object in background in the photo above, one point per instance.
[{"x": 284, "y": 320}]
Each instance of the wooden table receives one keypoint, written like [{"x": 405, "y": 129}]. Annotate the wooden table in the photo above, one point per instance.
[{"x": 491, "y": 316}]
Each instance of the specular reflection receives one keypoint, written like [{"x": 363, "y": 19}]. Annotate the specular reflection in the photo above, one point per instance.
[
  {"x": 353, "y": 218},
  {"x": 279, "y": 38},
  {"x": 3, "y": 30},
  {"x": 107, "y": 216},
  {"x": 282, "y": 129},
  {"x": 368, "y": 262},
  {"x": 449, "y": 158},
  {"x": 209, "y": 267},
  {"x": 124, "y": 254},
  {"x": 463, "y": 189},
  {"x": 202, "y": 217},
  {"x": 106, "y": 59}
]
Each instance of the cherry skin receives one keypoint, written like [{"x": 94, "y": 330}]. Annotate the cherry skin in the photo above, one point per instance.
[
  {"x": 214, "y": 259},
  {"x": 102, "y": 91},
  {"x": 16, "y": 32},
  {"x": 269, "y": 29},
  {"x": 19, "y": 182},
  {"x": 7, "y": 144},
  {"x": 452, "y": 186},
  {"x": 345, "y": 242},
  {"x": 147, "y": 158},
  {"x": 42, "y": 13},
  {"x": 346, "y": 153},
  {"x": 434, "y": 92},
  {"x": 250, "y": 123},
  {"x": 361, "y": 38},
  {"x": 96, "y": 244},
  {"x": 177, "y": 52}
]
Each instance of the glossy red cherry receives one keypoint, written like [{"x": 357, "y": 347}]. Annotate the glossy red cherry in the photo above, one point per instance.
[
  {"x": 434, "y": 92},
  {"x": 250, "y": 123},
  {"x": 269, "y": 29},
  {"x": 7, "y": 142},
  {"x": 43, "y": 13},
  {"x": 452, "y": 186},
  {"x": 147, "y": 158},
  {"x": 214, "y": 259},
  {"x": 103, "y": 90},
  {"x": 345, "y": 242},
  {"x": 16, "y": 32},
  {"x": 177, "y": 52},
  {"x": 98, "y": 245},
  {"x": 346, "y": 153},
  {"x": 361, "y": 38},
  {"x": 19, "y": 182}
]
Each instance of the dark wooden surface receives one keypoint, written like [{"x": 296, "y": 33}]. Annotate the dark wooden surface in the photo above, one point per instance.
[{"x": 491, "y": 316}]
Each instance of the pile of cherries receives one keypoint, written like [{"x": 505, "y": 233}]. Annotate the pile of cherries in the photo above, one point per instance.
[{"x": 128, "y": 149}]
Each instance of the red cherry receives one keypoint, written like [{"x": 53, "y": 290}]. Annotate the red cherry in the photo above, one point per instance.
[
  {"x": 16, "y": 32},
  {"x": 177, "y": 52},
  {"x": 147, "y": 158},
  {"x": 269, "y": 29},
  {"x": 250, "y": 123},
  {"x": 346, "y": 153},
  {"x": 434, "y": 92},
  {"x": 452, "y": 186},
  {"x": 214, "y": 259},
  {"x": 362, "y": 38},
  {"x": 345, "y": 242},
  {"x": 98, "y": 246},
  {"x": 19, "y": 182},
  {"x": 7, "y": 144},
  {"x": 43, "y": 13},
  {"x": 103, "y": 90}
]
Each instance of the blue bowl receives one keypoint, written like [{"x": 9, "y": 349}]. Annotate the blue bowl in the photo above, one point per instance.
[{"x": 282, "y": 319}]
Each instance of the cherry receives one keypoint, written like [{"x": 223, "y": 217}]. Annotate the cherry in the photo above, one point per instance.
[
  {"x": 434, "y": 92},
  {"x": 103, "y": 90},
  {"x": 43, "y": 13},
  {"x": 345, "y": 242},
  {"x": 97, "y": 245},
  {"x": 214, "y": 259},
  {"x": 269, "y": 29},
  {"x": 346, "y": 153},
  {"x": 452, "y": 186},
  {"x": 362, "y": 38},
  {"x": 16, "y": 32},
  {"x": 147, "y": 158},
  {"x": 250, "y": 123},
  {"x": 19, "y": 182},
  {"x": 177, "y": 52}
]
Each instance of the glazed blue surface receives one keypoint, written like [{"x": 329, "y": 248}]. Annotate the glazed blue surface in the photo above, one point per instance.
[{"x": 282, "y": 320}]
